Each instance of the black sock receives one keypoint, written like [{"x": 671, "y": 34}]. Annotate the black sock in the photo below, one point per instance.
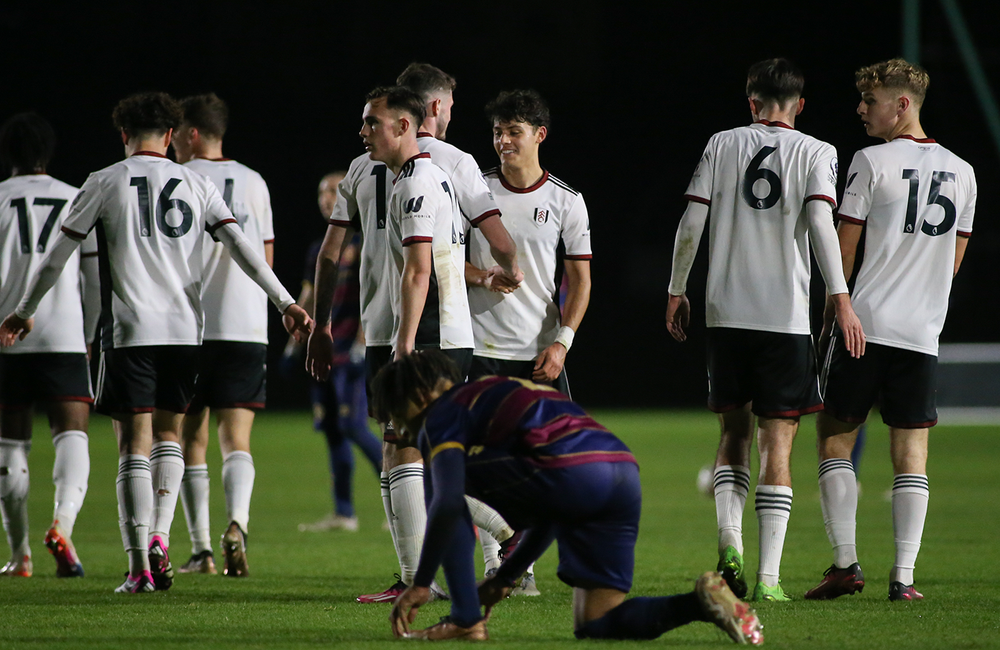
[{"x": 644, "y": 618}]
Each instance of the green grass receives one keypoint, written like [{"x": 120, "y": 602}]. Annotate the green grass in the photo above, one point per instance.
[{"x": 302, "y": 585}]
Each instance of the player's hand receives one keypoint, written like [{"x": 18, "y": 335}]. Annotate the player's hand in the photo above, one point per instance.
[
  {"x": 678, "y": 316},
  {"x": 14, "y": 329},
  {"x": 297, "y": 322},
  {"x": 850, "y": 326},
  {"x": 491, "y": 592},
  {"x": 549, "y": 363},
  {"x": 404, "y": 610},
  {"x": 403, "y": 349},
  {"x": 500, "y": 281},
  {"x": 319, "y": 353}
]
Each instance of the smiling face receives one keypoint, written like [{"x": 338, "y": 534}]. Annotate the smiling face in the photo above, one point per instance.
[
  {"x": 516, "y": 143},
  {"x": 880, "y": 110}
]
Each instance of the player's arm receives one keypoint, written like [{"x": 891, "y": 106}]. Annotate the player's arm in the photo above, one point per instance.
[
  {"x": 686, "y": 243},
  {"x": 502, "y": 247},
  {"x": 90, "y": 291},
  {"x": 319, "y": 355},
  {"x": 550, "y": 362},
  {"x": 269, "y": 253},
  {"x": 961, "y": 242},
  {"x": 417, "y": 263},
  {"x": 837, "y": 305},
  {"x": 829, "y": 258}
]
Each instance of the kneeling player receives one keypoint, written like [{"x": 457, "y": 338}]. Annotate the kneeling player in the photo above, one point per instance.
[{"x": 550, "y": 470}]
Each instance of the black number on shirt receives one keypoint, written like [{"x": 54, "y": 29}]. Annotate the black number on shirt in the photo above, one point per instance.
[
  {"x": 163, "y": 205},
  {"x": 934, "y": 197},
  {"x": 379, "y": 173},
  {"x": 753, "y": 174},
  {"x": 24, "y": 227},
  {"x": 227, "y": 196},
  {"x": 459, "y": 237}
]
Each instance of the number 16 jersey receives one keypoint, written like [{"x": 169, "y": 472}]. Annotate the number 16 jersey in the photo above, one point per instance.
[{"x": 757, "y": 180}]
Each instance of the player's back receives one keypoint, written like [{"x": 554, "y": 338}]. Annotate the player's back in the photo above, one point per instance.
[
  {"x": 757, "y": 180},
  {"x": 363, "y": 204},
  {"x": 475, "y": 200},
  {"x": 915, "y": 197},
  {"x": 32, "y": 210},
  {"x": 151, "y": 215},
  {"x": 235, "y": 308}
]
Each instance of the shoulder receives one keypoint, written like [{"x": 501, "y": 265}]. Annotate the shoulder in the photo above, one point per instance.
[
  {"x": 561, "y": 186},
  {"x": 445, "y": 155}
]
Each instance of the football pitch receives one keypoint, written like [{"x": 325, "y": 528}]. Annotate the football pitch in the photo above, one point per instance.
[{"x": 302, "y": 586}]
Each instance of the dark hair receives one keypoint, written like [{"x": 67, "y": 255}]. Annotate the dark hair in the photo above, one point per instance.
[
  {"x": 412, "y": 376},
  {"x": 519, "y": 106},
  {"x": 401, "y": 98},
  {"x": 207, "y": 113},
  {"x": 26, "y": 142},
  {"x": 777, "y": 80},
  {"x": 152, "y": 113},
  {"x": 425, "y": 80}
]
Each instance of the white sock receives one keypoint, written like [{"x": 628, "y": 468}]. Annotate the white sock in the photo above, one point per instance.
[
  {"x": 838, "y": 497},
  {"x": 491, "y": 550},
  {"x": 70, "y": 473},
  {"x": 910, "y": 493},
  {"x": 14, "y": 484},
  {"x": 406, "y": 489},
  {"x": 167, "y": 465},
  {"x": 774, "y": 505},
  {"x": 732, "y": 484},
  {"x": 194, "y": 498},
  {"x": 492, "y": 530},
  {"x": 135, "y": 508},
  {"x": 237, "y": 482}
]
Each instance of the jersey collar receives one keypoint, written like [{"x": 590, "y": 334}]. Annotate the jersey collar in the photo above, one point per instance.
[
  {"x": 770, "y": 123},
  {"x": 907, "y": 136},
  {"x": 214, "y": 159},
  {"x": 409, "y": 162},
  {"x": 424, "y": 134},
  {"x": 148, "y": 153},
  {"x": 522, "y": 190}
]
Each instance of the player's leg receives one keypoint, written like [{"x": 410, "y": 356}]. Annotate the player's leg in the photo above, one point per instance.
[
  {"x": 68, "y": 421},
  {"x": 773, "y": 500},
  {"x": 910, "y": 493},
  {"x": 134, "y": 432},
  {"x": 238, "y": 474},
  {"x": 195, "y": 489},
  {"x": 167, "y": 471},
  {"x": 15, "y": 443}
]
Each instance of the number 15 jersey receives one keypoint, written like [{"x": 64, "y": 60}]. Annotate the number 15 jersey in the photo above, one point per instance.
[
  {"x": 915, "y": 198},
  {"x": 757, "y": 180}
]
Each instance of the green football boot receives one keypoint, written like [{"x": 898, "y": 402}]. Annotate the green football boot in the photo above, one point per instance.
[
  {"x": 731, "y": 568},
  {"x": 773, "y": 594}
]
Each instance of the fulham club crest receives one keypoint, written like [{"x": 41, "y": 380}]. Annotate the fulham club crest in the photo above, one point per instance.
[{"x": 541, "y": 216}]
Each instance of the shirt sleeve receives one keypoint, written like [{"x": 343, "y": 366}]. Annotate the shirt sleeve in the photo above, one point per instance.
[
  {"x": 576, "y": 231},
  {"x": 700, "y": 187},
  {"x": 346, "y": 205},
  {"x": 857, "y": 201},
  {"x": 965, "y": 219},
  {"x": 822, "y": 181},
  {"x": 267, "y": 218},
  {"x": 85, "y": 210},
  {"x": 415, "y": 209},
  {"x": 474, "y": 196}
]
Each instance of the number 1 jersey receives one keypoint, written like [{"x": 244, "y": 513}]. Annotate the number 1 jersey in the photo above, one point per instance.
[
  {"x": 151, "y": 215},
  {"x": 915, "y": 197},
  {"x": 757, "y": 180}
]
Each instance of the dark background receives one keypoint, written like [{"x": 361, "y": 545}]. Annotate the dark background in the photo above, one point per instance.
[{"x": 635, "y": 89}]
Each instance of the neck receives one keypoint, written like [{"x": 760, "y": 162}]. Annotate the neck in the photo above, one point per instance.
[
  {"x": 212, "y": 150},
  {"x": 524, "y": 176},
  {"x": 156, "y": 145},
  {"x": 16, "y": 171},
  {"x": 908, "y": 126},
  {"x": 408, "y": 150},
  {"x": 429, "y": 126},
  {"x": 776, "y": 114}
]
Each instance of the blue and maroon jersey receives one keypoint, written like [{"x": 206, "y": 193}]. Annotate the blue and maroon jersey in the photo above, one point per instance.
[{"x": 496, "y": 417}]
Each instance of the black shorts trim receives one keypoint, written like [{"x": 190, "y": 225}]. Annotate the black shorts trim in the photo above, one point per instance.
[
  {"x": 484, "y": 366},
  {"x": 142, "y": 379},
  {"x": 44, "y": 377}
]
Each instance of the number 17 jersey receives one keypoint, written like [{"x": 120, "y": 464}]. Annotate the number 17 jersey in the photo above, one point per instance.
[{"x": 757, "y": 180}]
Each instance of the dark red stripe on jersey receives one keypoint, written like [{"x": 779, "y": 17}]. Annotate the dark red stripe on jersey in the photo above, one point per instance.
[
  {"x": 779, "y": 124},
  {"x": 149, "y": 153},
  {"x": 417, "y": 240},
  {"x": 560, "y": 427},
  {"x": 485, "y": 215},
  {"x": 269, "y": 241},
  {"x": 409, "y": 161},
  {"x": 339, "y": 223},
  {"x": 821, "y": 197},
  {"x": 698, "y": 199},
  {"x": 907, "y": 136},
  {"x": 512, "y": 409},
  {"x": 962, "y": 233},
  {"x": 577, "y": 257},
  {"x": 854, "y": 220},
  {"x": 74, "y": 234},
  {"x": 212, "y": 228},
  {"x": 424, "y": 134},
  {"x": 522, "y": 190},
  {"x": 216, "y": 159}
]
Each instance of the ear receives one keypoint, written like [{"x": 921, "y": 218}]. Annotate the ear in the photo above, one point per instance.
[
  {"x": 124, "y": 137},
  {"x": 168, "y": 137},
  {"x": 755, "y": 107},
  {"x": 402, "y": 125},
  {"x": 902, "y": 104},
  {"x": 434, "y": 108},
  {"x": 802, "y": 104},
  {"x": 540, "y": 134}
]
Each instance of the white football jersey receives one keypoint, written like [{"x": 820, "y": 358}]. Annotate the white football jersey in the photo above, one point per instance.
[
  {"x": 471, "y": 191},
  {"x": 757, "y": 180},
  {"x": 423, "y": 208},
  {"x": 33, "y": 208},
  {"x": 520, "y": 325},
  {"x": 235, "y": 307},
  {"x": 363, "y": 204},
  {"x": 915, "y": 198},
  {"x": 150, "y": 215}
]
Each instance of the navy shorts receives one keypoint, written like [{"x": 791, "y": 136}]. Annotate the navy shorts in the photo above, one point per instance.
[
  {"x": 145, "y": 378},
  {"x": 904, "y": 381},
  {"x": 44, "y": 377},
  {"x": 231, "y": 374},
  {"x": 777, "y": 372},
  {"x": 340, "y": 403},
  {"x": 483, "y": 366}
]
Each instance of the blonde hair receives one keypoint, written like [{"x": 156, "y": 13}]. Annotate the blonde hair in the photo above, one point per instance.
[{"x": 897, "y": 74}]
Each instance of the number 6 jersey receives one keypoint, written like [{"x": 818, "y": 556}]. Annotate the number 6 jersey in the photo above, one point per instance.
[
  {"x": 915, "y": 198},
  {"x": 757, "y": 180}
]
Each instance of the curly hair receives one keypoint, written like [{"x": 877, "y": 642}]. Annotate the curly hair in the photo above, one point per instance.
[
  {"x": 897, "y": 74},
  {"x": 777, "y": 80},
  {"x": 409, "y": 378},
  {"x": 400, "y": 98},
  {"x": 207, "y": 113},
  {"x": 147, "y": 113},
  {"x": 519, "y": 106},
  {"x": 27, "y": 141}
]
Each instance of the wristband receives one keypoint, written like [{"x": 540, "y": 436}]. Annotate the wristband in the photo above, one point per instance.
[{"x": 565, "y": 336}]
